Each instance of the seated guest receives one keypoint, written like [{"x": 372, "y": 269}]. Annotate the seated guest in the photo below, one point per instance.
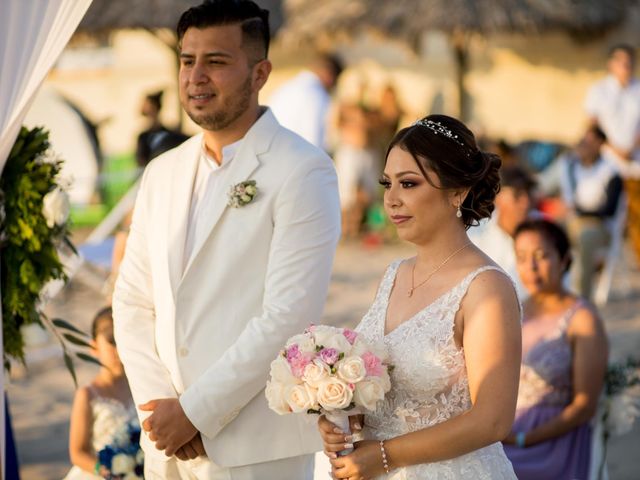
[
  {"x": 564, "y": 358},
  {"x": 591, "y": 189},
  {"x": 513, "y": 205}
]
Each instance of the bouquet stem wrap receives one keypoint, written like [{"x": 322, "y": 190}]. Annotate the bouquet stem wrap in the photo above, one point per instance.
[{"x": 341, "y": 420}]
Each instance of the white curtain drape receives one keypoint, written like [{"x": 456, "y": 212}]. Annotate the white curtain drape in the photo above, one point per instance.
[{"x": 32, "y": 36}]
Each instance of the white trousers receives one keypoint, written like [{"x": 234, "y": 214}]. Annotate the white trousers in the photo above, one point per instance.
[{"x": 294, "y": 468}]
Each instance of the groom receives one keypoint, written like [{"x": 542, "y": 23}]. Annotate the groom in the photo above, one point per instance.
[{"x": 213, "y": 282}]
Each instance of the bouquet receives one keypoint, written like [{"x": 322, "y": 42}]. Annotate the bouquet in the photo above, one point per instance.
[
  {"x": 123, "y": 459},
  {"x": 331, "y": 371},
  {"x": 621, "y": 402}
]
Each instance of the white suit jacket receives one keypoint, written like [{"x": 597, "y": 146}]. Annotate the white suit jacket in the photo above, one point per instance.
[{"x": 207, "y": 335}]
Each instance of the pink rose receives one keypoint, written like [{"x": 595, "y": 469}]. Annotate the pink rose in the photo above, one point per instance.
[
  {"x": 298, "y": 364},
  {"x": 372, "y": 364},
  {"x": 350, "y": 335},
  {"x": 292, "y": 352},
  {"x": 329, "y": 355}
]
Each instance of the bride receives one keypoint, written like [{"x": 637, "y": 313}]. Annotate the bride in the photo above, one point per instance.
[{"x": 449, "y": 318}]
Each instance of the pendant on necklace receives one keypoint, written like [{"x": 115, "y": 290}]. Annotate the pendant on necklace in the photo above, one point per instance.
[{"x": 410, "y": 292}]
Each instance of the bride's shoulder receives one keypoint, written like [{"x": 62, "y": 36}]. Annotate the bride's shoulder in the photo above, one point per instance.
[{"x": 489, "y": 281}]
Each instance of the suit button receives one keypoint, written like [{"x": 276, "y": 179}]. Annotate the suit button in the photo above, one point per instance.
[{"x": 183, "y": 352}]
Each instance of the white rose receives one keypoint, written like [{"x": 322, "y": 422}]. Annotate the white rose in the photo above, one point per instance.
[
  {"x": 316, "y": 372},
  {"x": 369, "y": 392},
  {"x": 301, "y": 398},
  {"x": 281, "y": 371},
  {"x": 304, "y": 341},
  {"x": 334, "y": 394},
  {"x": 333, "y": 338},
  {"x": 351, "y": 369},
  {"x": 122, "y": 464},
  {"x": 251, "y": 190},
  {"x": 385, "y": 380},
  {"x": 55, "y": 207},
  {"x": 275, "y": 393}
]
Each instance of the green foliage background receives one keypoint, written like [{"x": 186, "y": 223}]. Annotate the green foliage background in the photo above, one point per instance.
[{"x": 28, "y": 255}]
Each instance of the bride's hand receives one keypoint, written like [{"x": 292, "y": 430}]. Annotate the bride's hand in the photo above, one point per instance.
[
  {"x": 364, "y": 463},
  {"x": 334, "y": 439}
]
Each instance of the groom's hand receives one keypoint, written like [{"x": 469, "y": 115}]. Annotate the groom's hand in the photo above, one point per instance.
[
  {"x": 167, "y": 426},
  {"x": 193, "y": 449}
]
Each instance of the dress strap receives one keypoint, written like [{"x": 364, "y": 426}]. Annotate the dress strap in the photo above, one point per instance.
[
  {"x": 389, "y": 278},
  {"x": 570, "y": 312},
  {"x": 463, "y": 286}
]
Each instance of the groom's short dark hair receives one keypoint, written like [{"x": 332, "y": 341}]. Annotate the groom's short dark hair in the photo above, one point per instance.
[{"x": 253, "y": 20}]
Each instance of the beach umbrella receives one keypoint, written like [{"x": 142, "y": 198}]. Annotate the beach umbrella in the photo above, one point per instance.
[{"x": 310, "y": 21}]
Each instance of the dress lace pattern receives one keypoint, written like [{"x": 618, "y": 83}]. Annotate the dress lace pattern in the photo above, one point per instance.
[{"x": 429, "y": 382}]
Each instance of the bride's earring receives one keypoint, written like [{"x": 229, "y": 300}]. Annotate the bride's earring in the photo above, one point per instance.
[{"x": 458, "y": 212}]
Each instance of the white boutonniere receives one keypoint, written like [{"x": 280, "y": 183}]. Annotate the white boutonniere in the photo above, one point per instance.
[{"x": 242, "y": 193}]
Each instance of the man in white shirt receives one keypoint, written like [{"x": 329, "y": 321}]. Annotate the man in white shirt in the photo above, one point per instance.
[
  {"x": 513, "y": 205},
  {"x": 229, "y": 254},
  {"x": 591, "y": 189},
  {"x": 302, "y": 104},
  {"x": 614, "y": 104}
]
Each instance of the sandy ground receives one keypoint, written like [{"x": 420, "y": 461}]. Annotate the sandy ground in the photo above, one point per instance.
[{"x": 41, "y": 395}]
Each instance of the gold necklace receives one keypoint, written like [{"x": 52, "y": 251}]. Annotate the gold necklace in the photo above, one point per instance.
[{"x": 413, "y": 270}]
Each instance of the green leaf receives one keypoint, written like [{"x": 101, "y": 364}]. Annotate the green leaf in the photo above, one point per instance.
[
  {"x": 69, "y": 364},
  {"x": 88, "y": 358},
  {"x": 60, "y": 323},
  {"x": 75, "y": 340}
]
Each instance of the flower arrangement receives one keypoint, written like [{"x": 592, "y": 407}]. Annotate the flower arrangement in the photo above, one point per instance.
[
  {"x": 33, "y": 227},
  {"x": 124, "y": 459},
  {"x": 620, "y": 406},
  {"x": 328, "y": 370},
  {"x": 242, "y": 193}
]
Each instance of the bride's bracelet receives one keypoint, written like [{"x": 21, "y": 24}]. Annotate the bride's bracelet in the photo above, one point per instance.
[{"x": 385, "y": 463}]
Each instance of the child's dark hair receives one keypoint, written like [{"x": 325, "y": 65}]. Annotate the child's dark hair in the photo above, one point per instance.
[
  {"x": 552, "y": 233},
  {"x": 104, "y": 315}
]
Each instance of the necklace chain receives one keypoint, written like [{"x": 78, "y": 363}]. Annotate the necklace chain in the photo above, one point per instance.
[{"x": 413, "y": 270}]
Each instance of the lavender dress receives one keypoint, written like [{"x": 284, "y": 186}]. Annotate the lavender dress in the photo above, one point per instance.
[{"x": 545, "y": 390}]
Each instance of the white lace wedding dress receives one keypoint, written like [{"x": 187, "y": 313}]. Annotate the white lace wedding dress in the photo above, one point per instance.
[
  {"x": 110, "y": 421},
  {"x": 428, "y": 384}
]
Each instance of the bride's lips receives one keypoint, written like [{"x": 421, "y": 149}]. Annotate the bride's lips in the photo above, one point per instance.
[{"x": 398, "y": 219}]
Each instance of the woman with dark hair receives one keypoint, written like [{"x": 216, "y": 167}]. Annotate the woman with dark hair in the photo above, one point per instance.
[
  {"x": 449, "y": 318},
  {"x": 564, "y": 360}
]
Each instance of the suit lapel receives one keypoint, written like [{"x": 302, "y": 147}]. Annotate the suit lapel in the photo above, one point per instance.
[
  {"x": 183, "y": 175},
  {"x": 256, "y": 141}
]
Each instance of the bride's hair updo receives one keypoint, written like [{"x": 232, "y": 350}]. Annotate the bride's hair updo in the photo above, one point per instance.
[{"x": 445, "y": 146}]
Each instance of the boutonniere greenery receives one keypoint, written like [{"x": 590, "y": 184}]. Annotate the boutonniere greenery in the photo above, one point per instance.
[{"x": 242, "y": 193}]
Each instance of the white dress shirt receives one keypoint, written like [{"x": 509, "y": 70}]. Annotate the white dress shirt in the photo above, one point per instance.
[
  {"x": 206, "y": 191},
  {"x": 302, "y": 106},
  {"x": 617, "y": 110}
]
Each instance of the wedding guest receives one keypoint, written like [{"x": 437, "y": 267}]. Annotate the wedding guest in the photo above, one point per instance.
[
  {"x": 302, "y": 104},
  {"x": 156, "y": 138},
  {"x": 449, "y": 318},
  {"x": 564, "y": 358},
  {"x": 613, "y": 105},
  {"x": 103, "y": 409},
  {"x": 514, "y": 203},
  {"x": 591, "y": 189}
]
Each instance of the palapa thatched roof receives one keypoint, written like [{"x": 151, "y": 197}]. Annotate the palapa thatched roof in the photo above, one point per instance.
[
  {"x": 408, "y": 19},
  {"x": 106, "y": 15}
]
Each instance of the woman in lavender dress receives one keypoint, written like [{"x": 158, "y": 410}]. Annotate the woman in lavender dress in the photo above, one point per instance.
[{"x": 564, "y": 357}]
